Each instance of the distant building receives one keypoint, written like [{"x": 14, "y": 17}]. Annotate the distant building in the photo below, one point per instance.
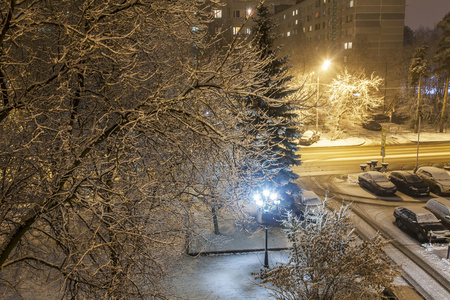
[
  {"x": 229, "y": 17},
  {"x": 354, "y": 33},
  {"x": 357, "y": 34}
]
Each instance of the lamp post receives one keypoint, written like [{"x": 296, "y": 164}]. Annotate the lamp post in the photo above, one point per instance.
[
  {"x": 325, "y": 66},
  {"x": 264, "y": 203},
  {"x": 419, "y": 117}
]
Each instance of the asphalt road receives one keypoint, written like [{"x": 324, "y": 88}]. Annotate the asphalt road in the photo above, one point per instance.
[{"x": 347, "y": 159}]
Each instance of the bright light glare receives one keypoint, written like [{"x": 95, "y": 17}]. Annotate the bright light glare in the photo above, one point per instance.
[
  {"x": 273, "y": 196},
  {"x": 258, "y": 200},
  {"x": 266, "y": 193},
  {"x": 326, "y": 64}
]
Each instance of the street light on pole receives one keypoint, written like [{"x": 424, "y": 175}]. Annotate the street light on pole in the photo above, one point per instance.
[
  {"x": 419, "y": 117},
  {"x": 264, "y": 202},
  {"x": 325, "y": 66}
]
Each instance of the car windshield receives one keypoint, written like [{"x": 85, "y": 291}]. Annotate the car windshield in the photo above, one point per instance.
[
  {"x": 312, "y": 201},
  {"x": 412, "y": 178},
  {"x": 441, "y": 176},
  {"x": 379, "y": 177}
]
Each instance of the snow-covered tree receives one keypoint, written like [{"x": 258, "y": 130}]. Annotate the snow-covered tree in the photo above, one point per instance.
[
  {"x": 327, "y": 261},
  {"x": 278, "y": 104},
  {"x": 417, "y": 70},
  {"x": 119, "y": 130},
  {"x": 442, "y": 56},
  {"x": 352, "y": 97}
]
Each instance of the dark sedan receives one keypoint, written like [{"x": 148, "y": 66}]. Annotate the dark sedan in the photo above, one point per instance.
[
  {"x": 409, "y": 183},
  {"x": 372, "y": 125},
  {"x": 377, "y": 183}
]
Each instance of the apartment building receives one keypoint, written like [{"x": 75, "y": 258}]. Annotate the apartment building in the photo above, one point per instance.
[
  {"x": 232, "y": 16},
  {"x": 353, "y": 33}
]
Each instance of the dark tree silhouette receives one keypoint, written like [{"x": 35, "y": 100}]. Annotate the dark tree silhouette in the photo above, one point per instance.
[
  {"x": 442, "y": 56},
  {"x": 275, "y": 110}
]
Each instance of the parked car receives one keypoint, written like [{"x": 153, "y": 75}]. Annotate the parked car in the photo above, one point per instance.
[
  {"x": 409, "y": 183},
  {"x": 440, "y": 210},
  {"x": 309, "y": 137},
  {"x": 371, "y": 125},
  {"x": 422, "y": 223},
  {"x": 377, "y": 183},
  {"x": 437, "y": 179},
  {"x": 401, "y": 292},
  {"x": 306, "y": 203},
  {"x": 381, "y": 118}
]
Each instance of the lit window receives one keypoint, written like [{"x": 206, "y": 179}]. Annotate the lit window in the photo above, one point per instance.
[
  {"x": 288, "y": 33},
  {"x": 345, "y": 46},
  {"x": 351, "y": 3},
  {"x": 310, "y": 27},
  {"x": 284, "y": 17},
  {"x": 195, "y": 28},
  {"x": 236, "y": 30},
  {"x": 296, "y": 22},
  {"x": 296, "y": 11},
  {"x": 217, "y": 13},
  {"x": 317, "y": 15},
  {"x": 293, "y": 12},
  {"x": 248, "y": 30},
  {"x": 350, "y": 45}
]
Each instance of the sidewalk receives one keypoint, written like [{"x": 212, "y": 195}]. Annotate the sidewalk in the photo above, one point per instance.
[
  {"x": 395, "y": 134},
  {"x": 234, "y": 275}
]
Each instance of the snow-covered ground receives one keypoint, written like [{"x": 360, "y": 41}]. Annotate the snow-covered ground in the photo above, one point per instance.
[
  {"x": 232, "y": 276},
  {"x": 395, "y": 134}
]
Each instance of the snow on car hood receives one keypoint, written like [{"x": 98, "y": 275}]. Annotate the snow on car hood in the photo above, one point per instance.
[{"x": 385, "y": 184}]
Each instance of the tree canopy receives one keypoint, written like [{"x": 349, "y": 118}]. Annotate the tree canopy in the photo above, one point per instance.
[
  {"x": 279, "y": 103},
  {"x": 327, "y": 261},
  {"x": 118, "y": 120}
]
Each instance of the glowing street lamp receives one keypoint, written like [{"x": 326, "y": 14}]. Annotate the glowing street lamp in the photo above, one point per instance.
[
  {"x": 264, "y": 202},
  {"x": 325, "y": 66}
]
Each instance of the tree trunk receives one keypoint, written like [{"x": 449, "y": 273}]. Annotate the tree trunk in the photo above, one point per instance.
[
  {"x": 444, "y": 105},
  {"x": 216, "y": 223},
  {"x": 418, "y": 105}
]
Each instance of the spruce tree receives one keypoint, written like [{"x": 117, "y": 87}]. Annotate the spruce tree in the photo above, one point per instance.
[
  {"x": 275, "y": 111},
  {"x": 417, "y": 70},
  {"x": 442, "y": 56}
]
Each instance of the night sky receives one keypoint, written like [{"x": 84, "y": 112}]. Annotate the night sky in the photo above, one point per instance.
[{"x": 426, "y": 13}]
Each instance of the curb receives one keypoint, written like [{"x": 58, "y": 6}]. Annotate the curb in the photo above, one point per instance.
[{"x": 223, "y": 252}]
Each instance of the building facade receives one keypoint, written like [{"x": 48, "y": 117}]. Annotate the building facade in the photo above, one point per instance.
[
  {"x": 360, "y": 34},
  {"x": 232, "y": 16},
  {"x": 364, "y": 34}
]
